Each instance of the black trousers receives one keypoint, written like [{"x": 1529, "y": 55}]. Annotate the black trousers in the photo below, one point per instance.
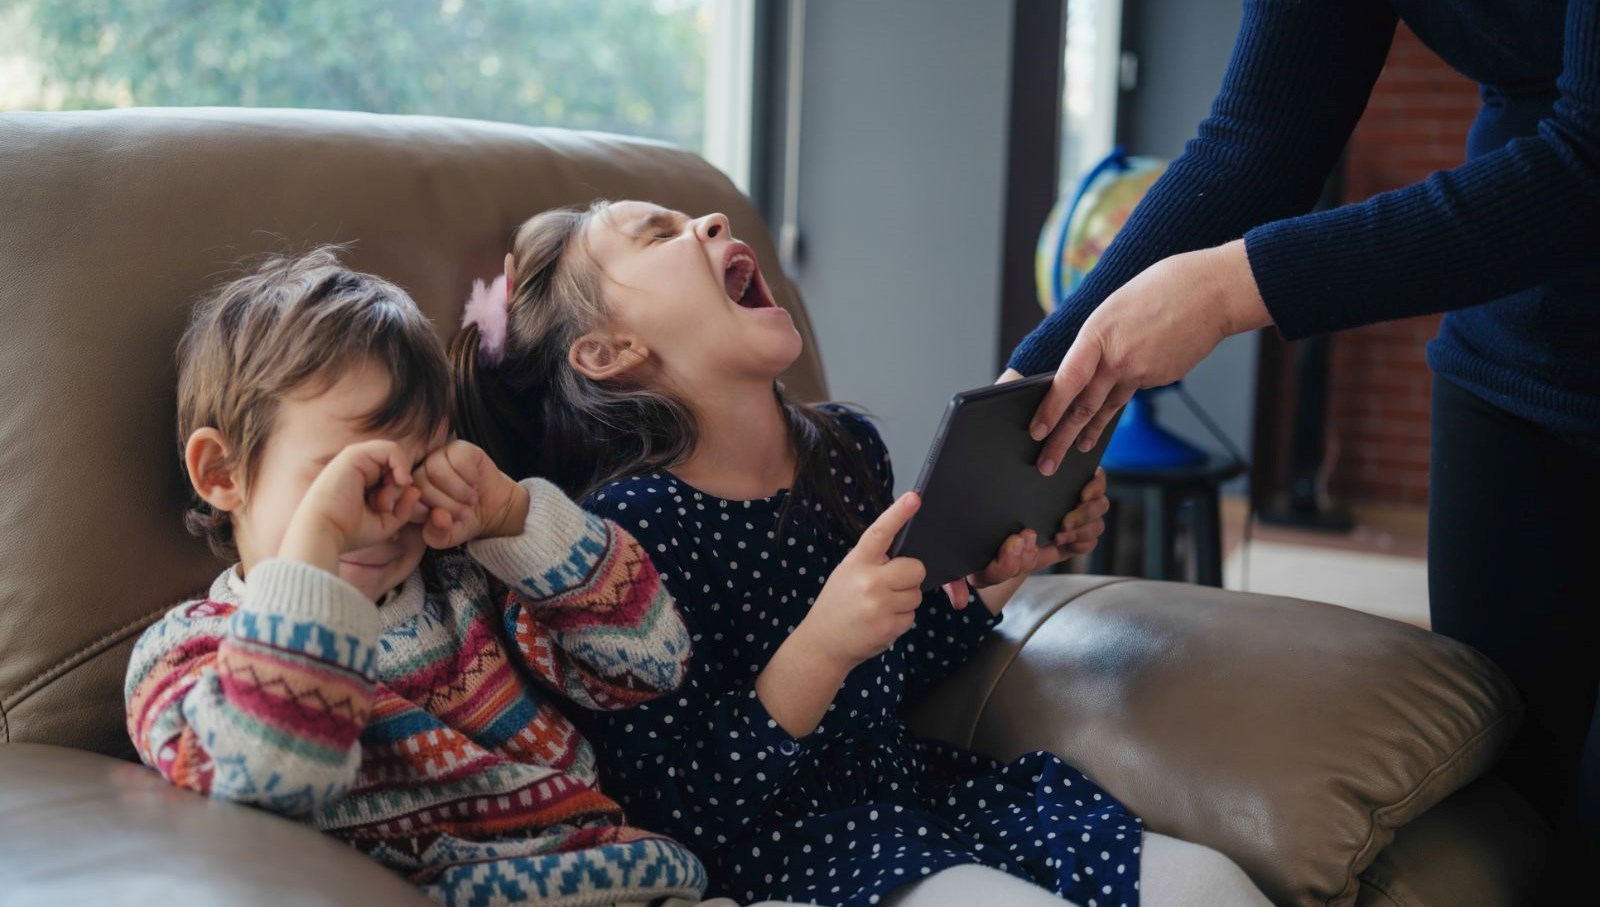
[{"x": 1514, "y": 571}]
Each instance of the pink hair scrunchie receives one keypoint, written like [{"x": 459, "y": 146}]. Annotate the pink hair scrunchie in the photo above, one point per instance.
[{"x": 487, "y": 308}]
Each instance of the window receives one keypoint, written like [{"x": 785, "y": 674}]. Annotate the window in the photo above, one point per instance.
[
  {"x": 1093, "y": 75},
  {"x": 678, "y": 70}
]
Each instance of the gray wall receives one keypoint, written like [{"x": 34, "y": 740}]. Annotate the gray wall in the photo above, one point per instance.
[
  {"x": 902, "y": 185},
  {"x": 1183, "y": 49}
]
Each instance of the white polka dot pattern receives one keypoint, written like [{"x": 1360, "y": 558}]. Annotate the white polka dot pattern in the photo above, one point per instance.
[{"x": 860, "y": 806}]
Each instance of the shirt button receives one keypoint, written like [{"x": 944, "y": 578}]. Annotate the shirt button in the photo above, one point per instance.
[{"x": 788, "y": 747}]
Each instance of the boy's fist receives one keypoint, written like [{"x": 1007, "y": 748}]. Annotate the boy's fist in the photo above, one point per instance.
[
  {"x": 364, "y": 495},
  {"x": 467, "y": 497}
]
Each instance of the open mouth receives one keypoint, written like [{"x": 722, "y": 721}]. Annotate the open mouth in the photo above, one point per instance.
[{"x": 741, "y": 278}]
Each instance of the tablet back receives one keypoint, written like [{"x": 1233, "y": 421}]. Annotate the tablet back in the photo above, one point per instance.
[{"x": 979, "y": 483}]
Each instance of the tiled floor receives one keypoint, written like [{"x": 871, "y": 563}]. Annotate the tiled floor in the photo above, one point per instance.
[{"x": 1379, "y": 568}]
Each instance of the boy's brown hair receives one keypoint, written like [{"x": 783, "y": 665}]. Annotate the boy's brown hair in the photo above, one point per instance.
[{"x": 299, "y": 324}]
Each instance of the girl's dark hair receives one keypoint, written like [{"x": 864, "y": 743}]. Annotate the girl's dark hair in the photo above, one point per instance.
[{"x": 536, "y": 415}]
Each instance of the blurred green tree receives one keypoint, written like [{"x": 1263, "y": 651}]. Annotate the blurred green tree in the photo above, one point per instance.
[{"x": 630, "y": 66}]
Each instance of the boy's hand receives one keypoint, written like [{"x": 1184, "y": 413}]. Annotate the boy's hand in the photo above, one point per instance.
[
  {"x": 468, "y": 497},
  {"x": 869, "y": 600},
  {"x": 364, "y": 495},
  {"x": 1021, "y": 554}
]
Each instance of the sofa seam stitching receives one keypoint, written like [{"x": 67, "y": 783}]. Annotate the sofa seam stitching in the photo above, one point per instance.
[
  {"x": 76, "y": 658},
  {"x": 1373, "y": 816},
  {"x": 983, "y": 705}
]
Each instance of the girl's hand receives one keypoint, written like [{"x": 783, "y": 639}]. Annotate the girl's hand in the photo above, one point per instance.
[
  {"x": 869, "y": 600},
  {"x": 1021, "y": 554},
  {"x": 467, "y": 497},
  {"x": 1149, "y": 333},
  {"x": 364, "y": 495},
  {"x": 1016, "y": 558},
  {"x": 1081, "y": 529}
]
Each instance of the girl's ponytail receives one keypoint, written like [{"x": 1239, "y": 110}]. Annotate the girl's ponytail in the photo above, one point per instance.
[{"x": 485, "y": 412}]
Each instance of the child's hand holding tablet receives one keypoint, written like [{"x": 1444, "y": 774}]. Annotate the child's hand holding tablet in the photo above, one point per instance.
[
  {"x": 986, "y": 506},
  {"x": 1026, "y": 553}
]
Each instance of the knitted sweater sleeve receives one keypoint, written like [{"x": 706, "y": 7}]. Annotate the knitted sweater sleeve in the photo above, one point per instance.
[
  {"x": 1298, "y": 79},
  {"x": 584, "y": 605},
  {"x": 261, "y": 704}
]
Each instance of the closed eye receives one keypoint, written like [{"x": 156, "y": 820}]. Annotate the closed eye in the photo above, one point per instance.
[{"x": 659, "y": 225}]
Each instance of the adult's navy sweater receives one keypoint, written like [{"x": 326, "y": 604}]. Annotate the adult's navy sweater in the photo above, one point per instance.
[{"x": 1507, "y": 243}]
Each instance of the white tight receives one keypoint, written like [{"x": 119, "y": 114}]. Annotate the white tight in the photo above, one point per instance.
[{"x": 1172, "y": 873}]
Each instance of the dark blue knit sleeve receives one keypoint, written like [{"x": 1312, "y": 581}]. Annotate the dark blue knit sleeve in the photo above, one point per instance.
[
  {"x": 1504, "y": 221},
  {"x": 703, "y": 762},
  {"x": 1295, "y": 86}
]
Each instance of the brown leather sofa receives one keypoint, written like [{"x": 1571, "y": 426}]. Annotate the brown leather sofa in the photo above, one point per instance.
[{"x": 1337, "y": 757}]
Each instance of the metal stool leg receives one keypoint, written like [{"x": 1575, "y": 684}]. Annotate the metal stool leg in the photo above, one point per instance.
[
  {"x": 1207, "y": 538},
  {"x": 1160, "y": 515}
]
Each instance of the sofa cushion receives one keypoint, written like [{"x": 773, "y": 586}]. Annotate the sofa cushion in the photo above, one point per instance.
[
  {"x": 1482, "y": 846},
  {"x": 1295, "y": 737}
]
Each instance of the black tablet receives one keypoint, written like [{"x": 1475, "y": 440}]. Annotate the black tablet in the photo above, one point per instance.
[{"x": 980, "y": 485}]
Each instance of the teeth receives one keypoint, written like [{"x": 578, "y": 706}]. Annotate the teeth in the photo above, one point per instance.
[{"x": 745, "y": 266}]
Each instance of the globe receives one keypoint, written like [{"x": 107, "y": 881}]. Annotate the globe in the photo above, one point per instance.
[
  {"x": 1081, "y": 225},
  {"x": 1077, "y": 232}
]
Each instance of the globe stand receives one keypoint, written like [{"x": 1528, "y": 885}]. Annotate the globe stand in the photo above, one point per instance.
[{"x": 1140, "y": 443}]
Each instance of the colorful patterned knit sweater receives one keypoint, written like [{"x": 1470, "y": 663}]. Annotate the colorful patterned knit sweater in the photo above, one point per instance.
[{"x": 425, "y": 732}]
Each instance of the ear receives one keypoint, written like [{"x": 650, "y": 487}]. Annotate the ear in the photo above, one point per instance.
[
  {"x": 511, "y": 275},
  {"x": 601, "y": 357},
  {"x": 206, "y": 455}
]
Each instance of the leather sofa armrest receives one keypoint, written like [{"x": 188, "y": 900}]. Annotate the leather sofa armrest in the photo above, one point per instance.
[
  {"x": 1482, "y": 846},
  {"x": 1293, "y": 736},
  {"x": 81, "y": 828}
]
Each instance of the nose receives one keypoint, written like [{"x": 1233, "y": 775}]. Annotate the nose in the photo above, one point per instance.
[{"x": 712, "y": 226}]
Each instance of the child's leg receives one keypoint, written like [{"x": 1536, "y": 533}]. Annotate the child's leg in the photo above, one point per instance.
[
  {"x": 1174, "y": 873},
  {"x": 714, "y": 902},
  {"x": 964, "y": 886}
]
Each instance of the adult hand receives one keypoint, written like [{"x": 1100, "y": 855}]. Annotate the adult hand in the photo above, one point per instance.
[{"x": 1149, "y": 333}]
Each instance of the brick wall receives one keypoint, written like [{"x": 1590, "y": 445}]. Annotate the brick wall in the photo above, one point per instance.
[{"x": 1416, "y": 123}]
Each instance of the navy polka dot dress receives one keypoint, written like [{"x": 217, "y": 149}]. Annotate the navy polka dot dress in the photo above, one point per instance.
[{"x": 860, "y": 806}]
